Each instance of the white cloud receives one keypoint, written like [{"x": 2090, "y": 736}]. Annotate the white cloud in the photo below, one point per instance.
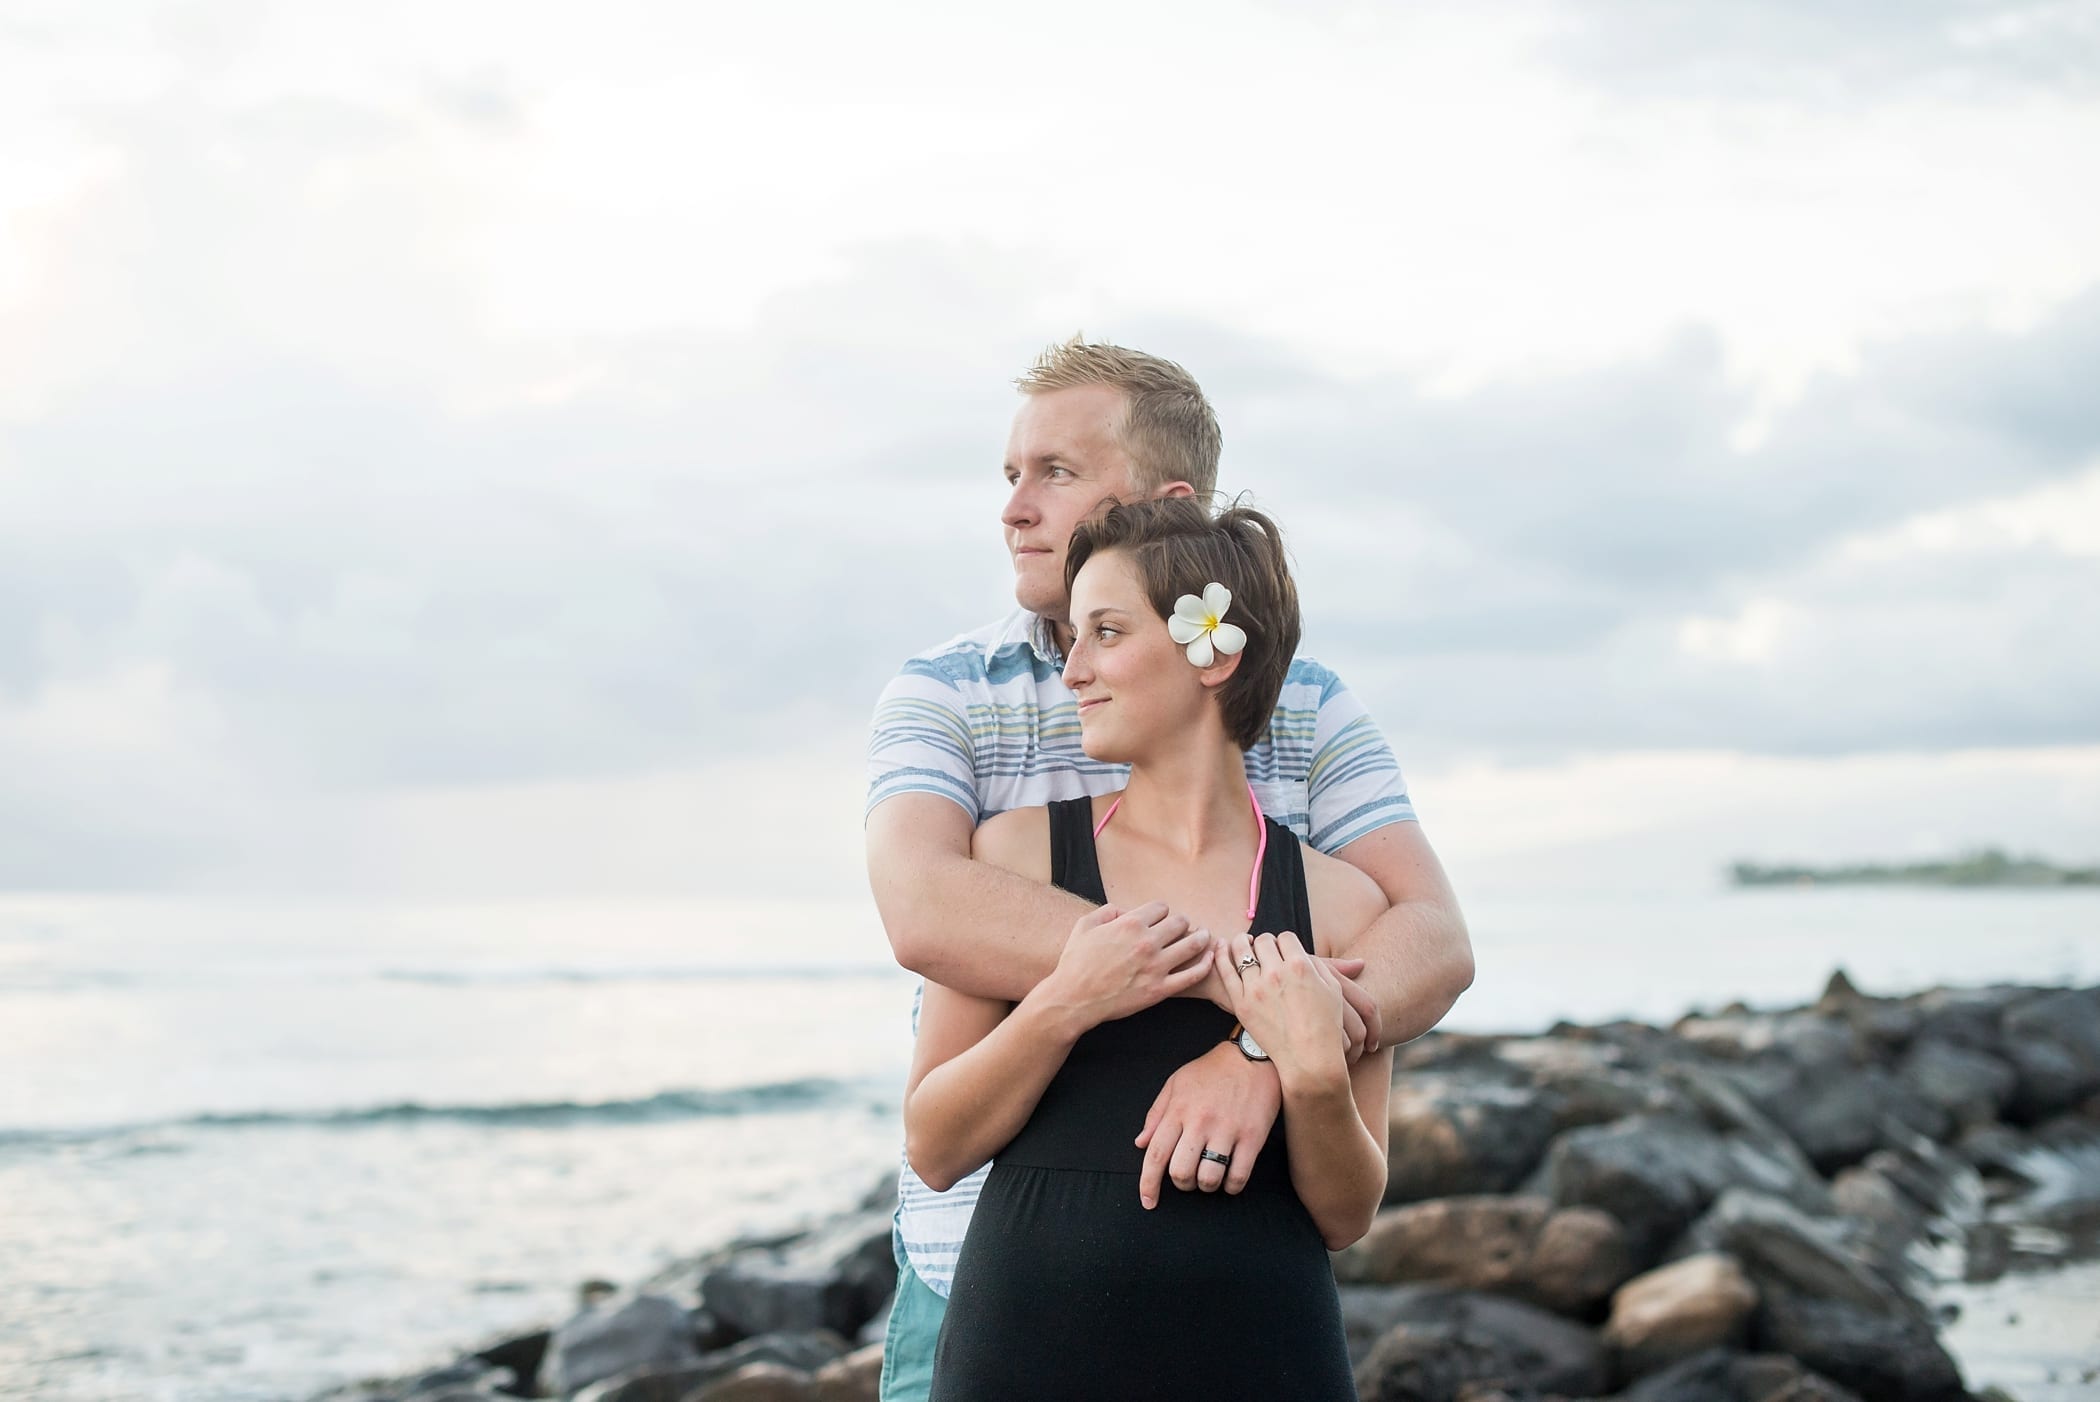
[
  {"x": 419, "y": 407},
  {"x": 2062, "y": 516}
]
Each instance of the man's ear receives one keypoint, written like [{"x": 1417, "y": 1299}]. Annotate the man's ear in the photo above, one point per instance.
[{"x": 1173, "y": 489}]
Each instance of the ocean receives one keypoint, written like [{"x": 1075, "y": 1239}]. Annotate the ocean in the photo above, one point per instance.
[{"x": 250, "y": 1150}]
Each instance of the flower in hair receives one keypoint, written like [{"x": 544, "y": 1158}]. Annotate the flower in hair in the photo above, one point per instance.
[{"x": 1200, "y": 623}]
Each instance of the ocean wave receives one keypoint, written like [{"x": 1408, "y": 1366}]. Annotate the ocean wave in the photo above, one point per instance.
[
  {"x": 642, "y": 974},
  {"x": 774, "y": 1098},
  {"x": 46, "y": 980}
]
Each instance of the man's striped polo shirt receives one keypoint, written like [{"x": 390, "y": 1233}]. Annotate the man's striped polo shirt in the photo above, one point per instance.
[{"x": 987, "y": 722}]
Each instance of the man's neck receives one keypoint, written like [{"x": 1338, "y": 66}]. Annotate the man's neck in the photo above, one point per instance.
[{"x": 1060, "y": 634}]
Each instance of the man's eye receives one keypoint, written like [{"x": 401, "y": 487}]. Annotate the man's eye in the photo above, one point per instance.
[{"x": 1060, "y": 472}]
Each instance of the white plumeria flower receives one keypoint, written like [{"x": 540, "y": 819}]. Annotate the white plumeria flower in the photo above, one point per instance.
[{"x": 1201, "y": 624}]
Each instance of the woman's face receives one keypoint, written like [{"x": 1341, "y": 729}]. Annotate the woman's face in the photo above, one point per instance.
[{"x": 1135, "y": 684}]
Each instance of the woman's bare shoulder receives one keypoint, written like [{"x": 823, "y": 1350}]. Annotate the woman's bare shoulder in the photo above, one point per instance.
[
  {"x": 1018, "y": 840},
  {"x": 1344, "y": 900}
]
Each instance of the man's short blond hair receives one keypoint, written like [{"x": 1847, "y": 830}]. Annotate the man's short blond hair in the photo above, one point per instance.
[{"x": 1168, "y": 427}]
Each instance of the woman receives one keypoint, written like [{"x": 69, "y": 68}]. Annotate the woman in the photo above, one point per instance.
[{"x": 1068, "y": 1286}]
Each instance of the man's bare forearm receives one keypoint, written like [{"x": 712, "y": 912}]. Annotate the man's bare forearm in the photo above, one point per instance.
[
  {"x": 1418, "y": 959},
  {"x": 978, "y": 928}
]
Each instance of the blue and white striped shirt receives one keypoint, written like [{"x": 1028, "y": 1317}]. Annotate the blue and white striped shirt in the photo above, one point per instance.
[{"x": 986, "y": 721}]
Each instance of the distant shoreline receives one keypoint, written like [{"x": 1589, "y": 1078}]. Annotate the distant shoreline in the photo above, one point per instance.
[{"x": 1989, "y": 867}]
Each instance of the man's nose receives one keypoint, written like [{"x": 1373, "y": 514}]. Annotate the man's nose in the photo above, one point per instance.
[{"x": 1020, "y": 510}]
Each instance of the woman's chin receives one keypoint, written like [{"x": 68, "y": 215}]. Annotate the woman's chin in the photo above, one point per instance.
[{"x": 1101, "y": 747}]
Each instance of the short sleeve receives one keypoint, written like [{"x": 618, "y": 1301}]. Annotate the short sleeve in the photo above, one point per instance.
[
  {"x": 920, "y": 741},
  {"x": 1354, "y": 786}
]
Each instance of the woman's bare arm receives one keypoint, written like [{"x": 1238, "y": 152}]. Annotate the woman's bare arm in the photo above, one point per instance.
[
  {"x": 980, "y": 1064},
  {"x": 1334, "y": 1114}
]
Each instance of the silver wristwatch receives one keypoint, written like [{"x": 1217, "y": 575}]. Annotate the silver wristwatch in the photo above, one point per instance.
[{"x": 1249, "y": 1048}]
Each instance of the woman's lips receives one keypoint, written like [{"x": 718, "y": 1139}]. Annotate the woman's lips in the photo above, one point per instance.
[{"x": 1086, "y": 706}]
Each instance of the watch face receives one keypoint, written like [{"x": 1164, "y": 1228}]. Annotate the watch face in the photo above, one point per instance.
[{"x": 1252, "y": 1047}]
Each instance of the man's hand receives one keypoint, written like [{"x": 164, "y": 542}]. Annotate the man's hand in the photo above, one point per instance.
[
  {"x": 1360, "y": 1021},
  {"x": 1221, "y": 1101}
]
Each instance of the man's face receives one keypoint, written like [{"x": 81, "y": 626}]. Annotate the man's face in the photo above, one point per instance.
[{"x": 1064, "y": 458}]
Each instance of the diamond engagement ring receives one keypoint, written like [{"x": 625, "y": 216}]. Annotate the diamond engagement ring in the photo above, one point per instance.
[
  {"x": 1215, "y": 1157},
  {"x": 1248, "y": 962}
]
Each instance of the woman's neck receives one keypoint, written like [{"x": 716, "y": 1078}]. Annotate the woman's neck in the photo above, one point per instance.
[{"x": 1191, "y": 799}]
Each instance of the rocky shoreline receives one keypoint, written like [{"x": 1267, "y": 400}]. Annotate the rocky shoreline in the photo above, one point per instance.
[{"x": 1748, "y": 1206}]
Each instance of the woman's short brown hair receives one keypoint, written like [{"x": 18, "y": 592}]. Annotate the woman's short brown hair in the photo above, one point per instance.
[{"x": 1179, "y": 545}]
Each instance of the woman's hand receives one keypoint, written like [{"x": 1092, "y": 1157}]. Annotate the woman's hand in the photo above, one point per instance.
[
  {"x": 1291, "y": 1003},
  {"x": 1115, "y": 964}
]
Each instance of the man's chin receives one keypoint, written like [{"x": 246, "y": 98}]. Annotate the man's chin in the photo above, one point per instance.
[{"x": 1037, "y": 598}]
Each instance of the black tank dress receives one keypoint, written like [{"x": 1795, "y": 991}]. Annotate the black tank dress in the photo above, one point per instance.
[{"x": 1067, "y": 1288}]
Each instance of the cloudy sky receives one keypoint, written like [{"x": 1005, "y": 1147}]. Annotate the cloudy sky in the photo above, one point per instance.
[{"x": 483, "y": 450}]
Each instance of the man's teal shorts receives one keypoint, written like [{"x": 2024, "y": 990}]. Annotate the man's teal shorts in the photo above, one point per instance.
[{"x": 915, "y": 1327}]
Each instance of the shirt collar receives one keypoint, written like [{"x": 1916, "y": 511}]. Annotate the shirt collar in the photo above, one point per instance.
[{"x": 1034, "y": 630}]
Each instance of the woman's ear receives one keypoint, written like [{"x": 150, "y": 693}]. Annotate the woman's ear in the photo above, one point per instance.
[{"x": 1220, "y": 670}]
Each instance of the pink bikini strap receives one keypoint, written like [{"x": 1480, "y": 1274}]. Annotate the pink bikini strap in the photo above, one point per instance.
[{"x": 1261, "y": 845}]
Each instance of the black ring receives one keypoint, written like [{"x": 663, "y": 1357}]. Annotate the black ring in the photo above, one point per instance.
[{"x": 1215, "y": 1157}]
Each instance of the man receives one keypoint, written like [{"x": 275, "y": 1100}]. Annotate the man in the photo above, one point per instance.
[{"x": 984, "y": 724}]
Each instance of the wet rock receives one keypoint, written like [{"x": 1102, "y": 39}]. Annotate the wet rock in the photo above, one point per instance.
[
  {"x": 521, "y": 1353},
  {"x": 613, "y": 1337},
  {"x": 1719, "y": 1375},
  {"x": 760, "y": 1382},
  {"x": 710, "y": 1332},
  {"x": 1369, "y": 1312},
  {"x": 1971, "y": 1087},
  {"x": 1839, "y": 1117},
  {"x": 1872, "y": 1199},
  {"x": 2053, "y": 1041},
  {"x": 467, "y": 1380},
  {"x": 1568, "y": 1260},
  {"x": 1971, "y": 1018},
  {"x": 1652, "y": 1173},
  {"x": 1457, "y": 1134},
  {"x": 1656, "y": 1173},
  {"x": 1779, "y": 1245},
  {"x": 883, "y": 1196},
  {"x": 1684, "y": 1308},
  {"x": 1588, "y": 1081},
  {"x": 878, "y": 1328},
  {"x": 650, "y": 1385},
  {"x": 855, "y": 1378},
  {"x": 1882, "y": 1357},
  {"x": 836, "y": 1278},
  {"x": 1445, "y": 1340},
  {"x": 1412, "y": 1364},
  {"x": 800, "y": 1353},
  {"x": 805, "y": 1351}
]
